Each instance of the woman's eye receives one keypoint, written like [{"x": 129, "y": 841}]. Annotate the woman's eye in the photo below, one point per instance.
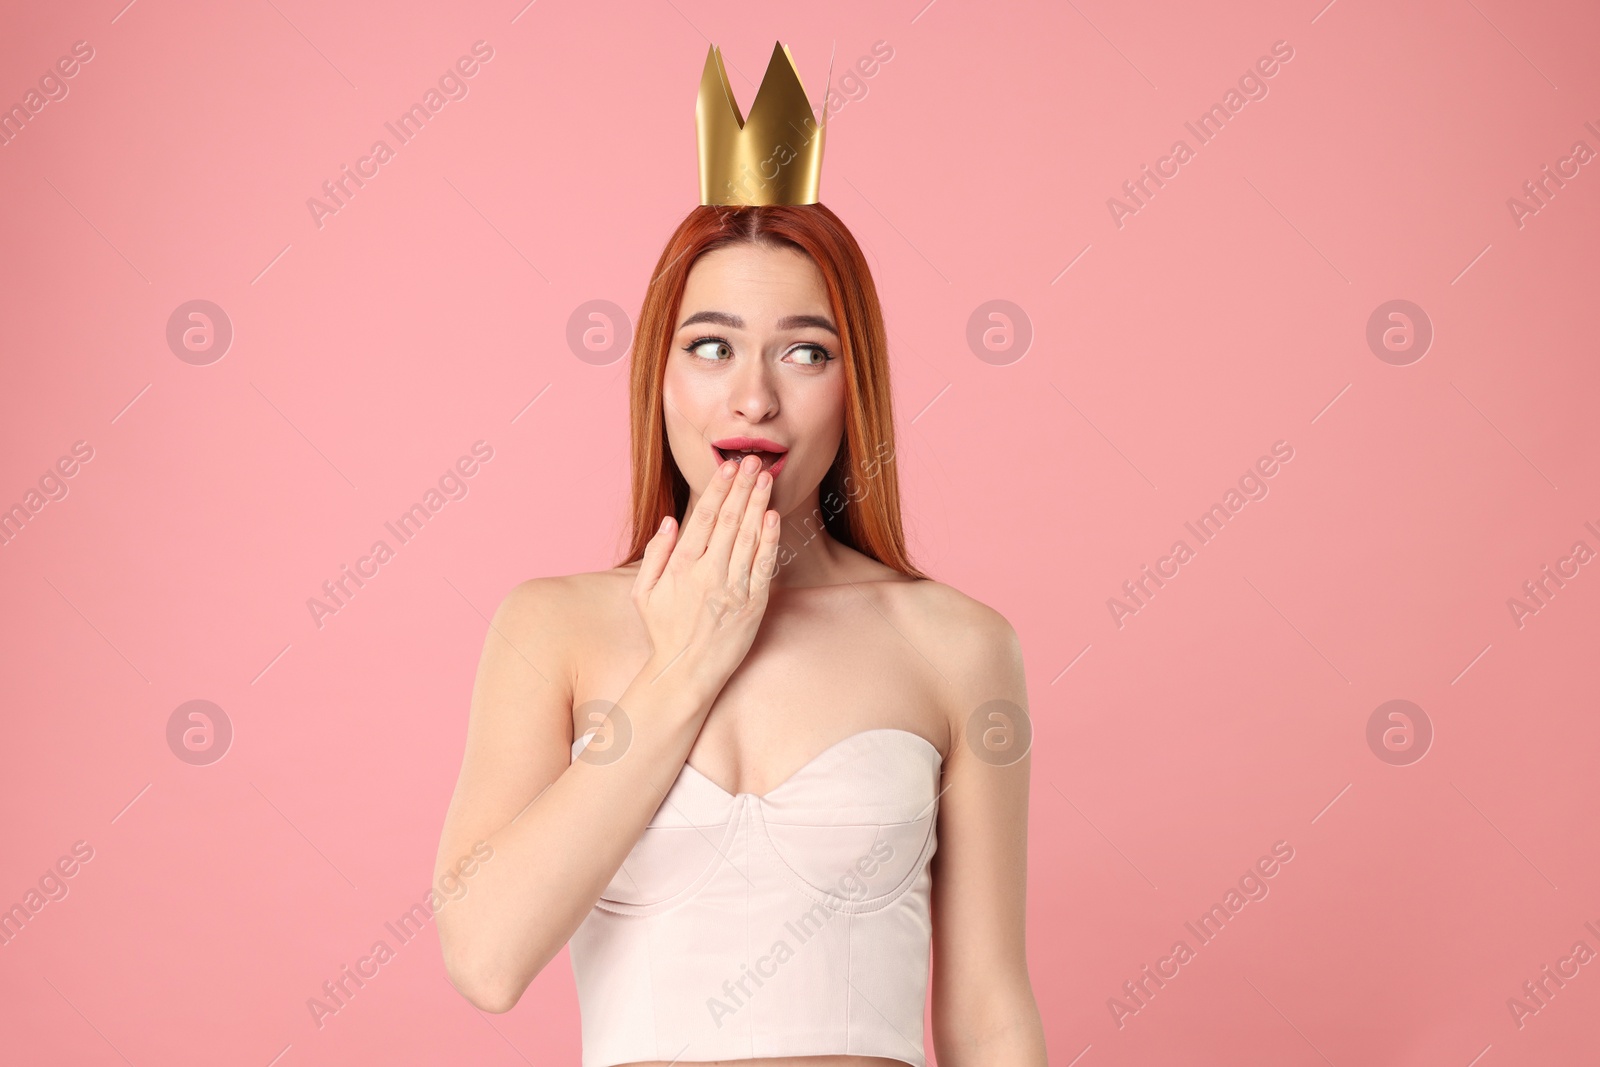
[
  {"x": 716, "y": 349},
  {"x": 820, "y": 355}
]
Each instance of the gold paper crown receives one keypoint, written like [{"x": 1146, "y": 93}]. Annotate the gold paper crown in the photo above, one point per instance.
[{"x": 775, "y": 156}]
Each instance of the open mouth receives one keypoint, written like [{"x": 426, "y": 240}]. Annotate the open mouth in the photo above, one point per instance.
[{"x": 771, "y": 462}]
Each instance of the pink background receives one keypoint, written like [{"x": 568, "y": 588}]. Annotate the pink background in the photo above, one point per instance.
[{"x": 1228, "y": 313}]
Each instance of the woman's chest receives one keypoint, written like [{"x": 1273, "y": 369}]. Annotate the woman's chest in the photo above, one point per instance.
[{"x": 825, "y": 665}]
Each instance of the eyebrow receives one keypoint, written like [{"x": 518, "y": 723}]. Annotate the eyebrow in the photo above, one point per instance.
[{"x": 734, "y": 322}]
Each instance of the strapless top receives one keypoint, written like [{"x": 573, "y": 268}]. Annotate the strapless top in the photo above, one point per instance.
[{"x": 794, "y": 923}]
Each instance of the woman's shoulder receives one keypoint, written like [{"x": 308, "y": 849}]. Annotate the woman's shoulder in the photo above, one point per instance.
[
  {"x": 939, "y": 611},
  {"x": 945, "y": 612},
  {"x": 563, "y": 603},
  {"x": 973, "y": 648},
  {"x": 575, "y": 589}
]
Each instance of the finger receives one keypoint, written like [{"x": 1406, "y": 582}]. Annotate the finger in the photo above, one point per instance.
[
  {"x": 656, "y": 552},
  {"x": 697, "y": 527},
  {"x": 766, "y": 564},
  {"x": 731, "y": 515},
  {"x": 749, "y": 539}
]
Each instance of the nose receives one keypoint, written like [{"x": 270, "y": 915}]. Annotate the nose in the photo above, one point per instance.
[{"x": 752, "y": 394}]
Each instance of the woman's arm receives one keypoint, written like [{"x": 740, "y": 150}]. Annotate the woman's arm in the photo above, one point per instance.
[
  {"x": 984, "y": 1013},
  {"x": 559, "y": 829}
]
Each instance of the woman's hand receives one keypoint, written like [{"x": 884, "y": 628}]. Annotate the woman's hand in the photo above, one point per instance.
[{"x": 702, "y": 591}]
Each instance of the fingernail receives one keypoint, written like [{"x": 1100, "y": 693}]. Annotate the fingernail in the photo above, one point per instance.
[{"x": 728, "y": 468}]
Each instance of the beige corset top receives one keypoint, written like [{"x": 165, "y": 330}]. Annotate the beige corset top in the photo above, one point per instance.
[{"x": 793, "y": 923}]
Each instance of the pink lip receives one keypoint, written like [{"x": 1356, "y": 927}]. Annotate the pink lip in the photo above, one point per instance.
[
  {"x": 763, "y": 443},
  {"x": 759, "y": 443}
]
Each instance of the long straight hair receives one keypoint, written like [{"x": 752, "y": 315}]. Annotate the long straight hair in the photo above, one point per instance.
[{"x": 859, "y": 497}]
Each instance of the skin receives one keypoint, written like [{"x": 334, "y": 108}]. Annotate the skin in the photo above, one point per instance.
[{"x": 883, "y": 649}]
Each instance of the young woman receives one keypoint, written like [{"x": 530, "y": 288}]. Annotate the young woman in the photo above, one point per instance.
[{"x": 756, "y": 771}]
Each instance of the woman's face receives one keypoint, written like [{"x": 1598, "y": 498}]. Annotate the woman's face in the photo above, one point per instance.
[{"x": 756, "y": 355}]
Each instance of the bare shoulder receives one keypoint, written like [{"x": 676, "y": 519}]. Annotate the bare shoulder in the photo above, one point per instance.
[
  {"x": 565, "y": 595},
  {"x": 950, "y": 617},
  {"x": 973, "y": 647},
  {"x": 959, "y": 633},
  {"x": 547, "y": 620},
  {"x": 531, "y": 608}
]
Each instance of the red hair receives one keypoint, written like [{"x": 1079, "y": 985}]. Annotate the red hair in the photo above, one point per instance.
[{"x": 859, "y": 497}]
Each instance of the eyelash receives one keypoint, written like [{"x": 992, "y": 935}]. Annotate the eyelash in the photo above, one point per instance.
[{"x": 828, "y": 357}]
